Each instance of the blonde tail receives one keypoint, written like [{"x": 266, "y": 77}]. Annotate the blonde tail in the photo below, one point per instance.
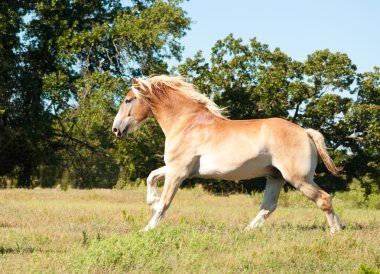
[{"x": 319, "y": 142}]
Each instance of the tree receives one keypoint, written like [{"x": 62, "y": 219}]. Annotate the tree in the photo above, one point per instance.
[
  {"x": 74, "y": 62},
  {"x": 139, "y": 40},
  {"x": 11, "y": 135},
  {"x": 363, "y": 123}
]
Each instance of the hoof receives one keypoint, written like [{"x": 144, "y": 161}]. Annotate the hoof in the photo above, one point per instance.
[
  {"x": 335, "y": 229},
  {"x": 145, "y": 229},
  {"x": 248, "y": 228}
]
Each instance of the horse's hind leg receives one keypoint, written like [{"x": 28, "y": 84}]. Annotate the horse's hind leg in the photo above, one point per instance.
[
  {"x": 323, "y": 201},
  {"x": 269, "y": 203}
]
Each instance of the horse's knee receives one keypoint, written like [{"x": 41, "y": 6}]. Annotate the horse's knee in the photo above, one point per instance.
[
  {"x": 324, "y": 202},
  {"x": 153, "y": 177},
  {"x": 150, "y": 178}
]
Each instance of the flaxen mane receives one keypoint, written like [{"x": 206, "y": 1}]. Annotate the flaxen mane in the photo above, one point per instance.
[{"x": 178, "y": 84}]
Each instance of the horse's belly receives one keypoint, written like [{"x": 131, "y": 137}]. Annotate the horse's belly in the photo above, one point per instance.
[{"x": 230, "y": 168}]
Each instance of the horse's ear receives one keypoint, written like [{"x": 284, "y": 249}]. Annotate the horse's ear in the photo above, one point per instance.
[
  {"x": 139, "y": 84},
  {"x": 135, "y": 82},
  {"x": 140, "y": 88}
]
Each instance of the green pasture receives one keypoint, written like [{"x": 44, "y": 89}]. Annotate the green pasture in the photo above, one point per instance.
[{"x": 98, "y": 231}]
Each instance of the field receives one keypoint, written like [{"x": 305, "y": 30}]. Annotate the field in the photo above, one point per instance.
[{"x": 98, "y": 231}]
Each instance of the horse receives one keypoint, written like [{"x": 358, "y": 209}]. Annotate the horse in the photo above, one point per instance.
[{"x": 200, "y": 141}]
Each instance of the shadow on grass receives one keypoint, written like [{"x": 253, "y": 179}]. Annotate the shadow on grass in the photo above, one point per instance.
[
  {"x": 5, "y": 224},
  {"x": 324, "y": 227},
  {"x": 373, "y": 225},
  {"x": 12, "y": 250},
  {"x": 303, "y": 227}
]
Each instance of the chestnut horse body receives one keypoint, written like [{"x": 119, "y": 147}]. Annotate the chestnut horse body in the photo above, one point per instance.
[{"x": 201, "y": 142}]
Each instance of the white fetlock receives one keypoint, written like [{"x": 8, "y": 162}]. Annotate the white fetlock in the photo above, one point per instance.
[
  {"x": 151, "y": 196},
  {"x": 151, "y": 199},
  {"x": 256, "y": 222},
  {"x": 156, "y": 205},
  {"x": 254, "y": 225}
]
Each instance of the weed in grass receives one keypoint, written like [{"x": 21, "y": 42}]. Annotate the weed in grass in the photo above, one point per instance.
[
  {"x": 98, "y": 236},
  {"x": 84, "y": 238},
  {"x": 364, "y": 269}
]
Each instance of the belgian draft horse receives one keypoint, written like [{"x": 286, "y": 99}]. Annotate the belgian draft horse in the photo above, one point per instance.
[{"x": 201, "y": 142}]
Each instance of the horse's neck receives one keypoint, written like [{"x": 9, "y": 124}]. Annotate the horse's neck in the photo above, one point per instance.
[{"x": 174, "y": 114}]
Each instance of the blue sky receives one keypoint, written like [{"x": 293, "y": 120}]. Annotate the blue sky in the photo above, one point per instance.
[{"x": 297, "y": 27}]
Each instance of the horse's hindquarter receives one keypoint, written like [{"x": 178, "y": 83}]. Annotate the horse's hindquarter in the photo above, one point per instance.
[{"x": 293, "y": 152}]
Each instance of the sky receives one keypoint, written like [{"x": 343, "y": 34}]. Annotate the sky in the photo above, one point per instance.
[{"x": 297, "y": 27}]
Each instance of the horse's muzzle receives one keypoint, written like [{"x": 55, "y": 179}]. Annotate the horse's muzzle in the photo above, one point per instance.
[{"x": 117, "y": 132}]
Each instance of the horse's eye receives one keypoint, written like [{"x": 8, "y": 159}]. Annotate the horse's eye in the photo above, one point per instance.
[{"x": 128, "y": 100}]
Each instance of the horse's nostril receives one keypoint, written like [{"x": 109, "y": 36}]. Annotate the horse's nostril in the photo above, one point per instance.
[{"x": 116, "y": 131}]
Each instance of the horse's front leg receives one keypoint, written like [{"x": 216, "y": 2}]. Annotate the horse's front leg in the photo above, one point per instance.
[
  {"x": 152, "y": 196},
  {"x": 172, "y": 183}
]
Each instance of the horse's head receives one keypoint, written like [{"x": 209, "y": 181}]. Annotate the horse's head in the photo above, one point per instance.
[{"x": 133, "y": 111}]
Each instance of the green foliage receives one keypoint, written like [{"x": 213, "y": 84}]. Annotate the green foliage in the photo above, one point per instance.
[
  {"x": 220, "y": 187},
  {"x": 12, "y": 151},
  {"x": 145, "y": 34},
  {"x": 363, "y": 123},
  {"x": 65, "y": 75},
  {"x": 363, "y": 269},
  {"x": 64, "y": 65},
  {"x": 137, "y": 248}
]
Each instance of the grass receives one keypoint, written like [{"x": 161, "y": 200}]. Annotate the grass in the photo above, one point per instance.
[{"x": 98, "y": 231}]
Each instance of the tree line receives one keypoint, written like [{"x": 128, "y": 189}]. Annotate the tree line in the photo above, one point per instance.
[{"x": 65, "y": 65}]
